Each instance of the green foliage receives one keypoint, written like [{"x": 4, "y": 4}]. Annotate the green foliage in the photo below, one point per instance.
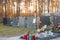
[
  {"x": 56, "y": 30},
  {"x": 47, "y": 29}
]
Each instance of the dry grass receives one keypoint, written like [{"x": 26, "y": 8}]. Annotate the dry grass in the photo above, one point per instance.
[{"x": 8, "y": 31}]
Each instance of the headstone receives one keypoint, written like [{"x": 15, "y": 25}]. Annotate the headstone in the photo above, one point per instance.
[
  {"x": 5, "y": 21},
  {"x": 22, "y": 22},
  {"x": 45, "y": 20},
  {"x": 56, "y": 20},
  {"x": 30, "y": 23},
  {"x": 14, "y": 22}
]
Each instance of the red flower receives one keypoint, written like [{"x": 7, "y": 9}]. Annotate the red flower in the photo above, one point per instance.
[
  {"x": 26, "y": 37},
  {"x": 58, "y": 26},
  {"x": 33, "y": 37}
]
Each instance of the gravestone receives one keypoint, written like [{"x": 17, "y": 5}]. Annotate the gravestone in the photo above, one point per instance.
[
  {"x": 22, "y": 22},
  {"x": 45, "y": 20},
  {"x": 56, "y": 20},
  {"x": 30, "y": 23}
]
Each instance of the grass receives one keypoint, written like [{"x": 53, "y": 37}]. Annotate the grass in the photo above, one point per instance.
[{"x": 9, "y": 31}]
